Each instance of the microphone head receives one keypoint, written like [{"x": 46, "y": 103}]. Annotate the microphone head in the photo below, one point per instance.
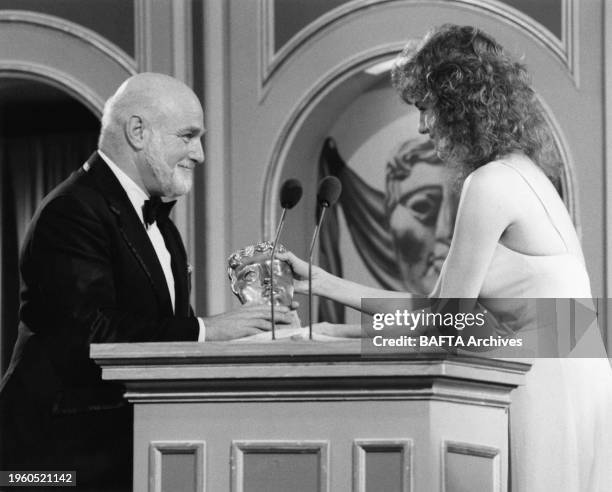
[
  {"x": 330, "y": 189},
  {"x": 290, "y": 193}
]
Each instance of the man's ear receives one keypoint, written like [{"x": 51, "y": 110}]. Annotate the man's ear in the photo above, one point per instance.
[{"x": 135, "y": 132}]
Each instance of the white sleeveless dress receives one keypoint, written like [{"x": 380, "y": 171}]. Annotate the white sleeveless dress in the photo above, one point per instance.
[{"x": 561, "y": 419}]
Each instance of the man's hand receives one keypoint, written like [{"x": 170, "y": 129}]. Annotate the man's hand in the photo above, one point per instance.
[{"x": 246, "y": 320}]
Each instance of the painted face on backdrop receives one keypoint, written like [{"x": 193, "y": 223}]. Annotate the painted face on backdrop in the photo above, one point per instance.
[
  {"x": 421, "y": 205},
  {"x": 250, "y": 271},
  {"x": 175, "y": 148}
]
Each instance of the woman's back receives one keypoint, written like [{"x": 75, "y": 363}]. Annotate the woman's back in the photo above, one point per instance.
[{"x": 539, "y": 254}]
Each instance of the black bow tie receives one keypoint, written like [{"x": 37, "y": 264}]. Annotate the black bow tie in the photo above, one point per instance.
[{"x": 156, "y": 210}]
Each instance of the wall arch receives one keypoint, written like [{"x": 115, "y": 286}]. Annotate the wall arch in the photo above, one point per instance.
[
  {"x": 343, "y": 84},
  {"x": 563, "y": 48},
  {"x": 335, "y": 83},
  {"x": 64, "y": 54}
]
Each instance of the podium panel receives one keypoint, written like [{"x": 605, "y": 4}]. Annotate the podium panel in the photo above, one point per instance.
[{"x": 310, "y": 416}]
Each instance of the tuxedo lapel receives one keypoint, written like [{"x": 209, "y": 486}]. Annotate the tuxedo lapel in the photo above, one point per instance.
[
  {"x": 130, "y": 227},
  {"x": 175, "y": 247}
]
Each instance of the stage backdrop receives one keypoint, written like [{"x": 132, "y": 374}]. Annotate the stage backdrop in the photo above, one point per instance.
[
  {"x": 394, "y": 222},
  {"x": 280, "y": 94}
]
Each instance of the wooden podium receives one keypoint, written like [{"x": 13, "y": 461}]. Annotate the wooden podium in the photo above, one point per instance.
[{"x": 303, "y": 416}]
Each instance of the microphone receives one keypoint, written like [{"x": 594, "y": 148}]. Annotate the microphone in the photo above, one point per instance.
[
  {"x": 290, "y": 195},
  {"x": 330, "y": 189}
]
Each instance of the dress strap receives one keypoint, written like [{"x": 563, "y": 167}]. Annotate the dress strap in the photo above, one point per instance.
[{"x": 552, "y": 222}]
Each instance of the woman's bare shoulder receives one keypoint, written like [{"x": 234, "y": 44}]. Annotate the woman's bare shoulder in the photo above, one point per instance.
[
  {"x": 495, "y": 179},
  {"x": 494, "y": 173},
  {"x": 499, "y": 178},
  {"x": 496, "y": 188}
]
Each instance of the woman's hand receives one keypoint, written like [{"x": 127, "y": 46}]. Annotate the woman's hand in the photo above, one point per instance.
[
  {"x": 300, "y": 273},
  {"x": 333, "y": 331}
]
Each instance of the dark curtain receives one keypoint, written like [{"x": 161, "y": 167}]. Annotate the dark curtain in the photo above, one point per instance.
[
  {"x": 364, "y": 210},
  {"x": 30, "y": 167}
]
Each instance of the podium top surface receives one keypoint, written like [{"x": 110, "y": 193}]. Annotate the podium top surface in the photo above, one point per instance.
[{"x": 183, "y": 361}]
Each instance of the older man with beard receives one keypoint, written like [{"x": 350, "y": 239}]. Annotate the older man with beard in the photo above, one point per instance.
[{"x": 102, "y": 262}]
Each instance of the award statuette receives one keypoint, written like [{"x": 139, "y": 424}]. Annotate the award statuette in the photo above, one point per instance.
[{"x": 250, "y": 270}]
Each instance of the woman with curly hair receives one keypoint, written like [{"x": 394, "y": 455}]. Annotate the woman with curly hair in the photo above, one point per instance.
[{"x": 513, "y": 238}]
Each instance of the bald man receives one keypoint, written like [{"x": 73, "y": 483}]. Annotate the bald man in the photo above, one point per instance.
[{"x": 102, "y": 262}]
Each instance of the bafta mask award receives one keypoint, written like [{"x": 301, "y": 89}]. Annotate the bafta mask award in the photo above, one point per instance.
[{"x": 250, "y": 271}]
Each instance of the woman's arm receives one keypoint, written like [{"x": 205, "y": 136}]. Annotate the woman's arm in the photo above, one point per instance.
[
  {"x": 335, "y": 288},
  {"x": 487, "y": 207}
]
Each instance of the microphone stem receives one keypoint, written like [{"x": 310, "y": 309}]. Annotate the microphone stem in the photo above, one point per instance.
[
  {"x": 278, "y": 231},
  {"x": 312, "y": 245}
]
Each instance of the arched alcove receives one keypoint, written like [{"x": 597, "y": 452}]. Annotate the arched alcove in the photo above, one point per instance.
[
  {"x": 63, "y": 54},
  {"x": 47, "y": 63},
  {"x": 300, "y": 141},
  {"x": 45, "y": 134},
  {"x": 357, "y": 107}
]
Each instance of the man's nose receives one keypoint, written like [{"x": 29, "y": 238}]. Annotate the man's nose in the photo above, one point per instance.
[{"x": 196, "y": 152}]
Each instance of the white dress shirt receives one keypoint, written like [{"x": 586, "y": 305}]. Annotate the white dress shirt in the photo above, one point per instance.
[{"x": 137, "y": 197}]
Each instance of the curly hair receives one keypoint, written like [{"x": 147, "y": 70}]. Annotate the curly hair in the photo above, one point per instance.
[{"x": 482, "y": 101}]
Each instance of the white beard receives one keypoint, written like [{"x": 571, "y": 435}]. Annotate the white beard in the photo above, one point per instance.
[{"x": 173, "y": 182}]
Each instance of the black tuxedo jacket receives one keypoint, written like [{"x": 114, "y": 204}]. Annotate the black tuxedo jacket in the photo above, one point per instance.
[{"x": 90, "y": 275}]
